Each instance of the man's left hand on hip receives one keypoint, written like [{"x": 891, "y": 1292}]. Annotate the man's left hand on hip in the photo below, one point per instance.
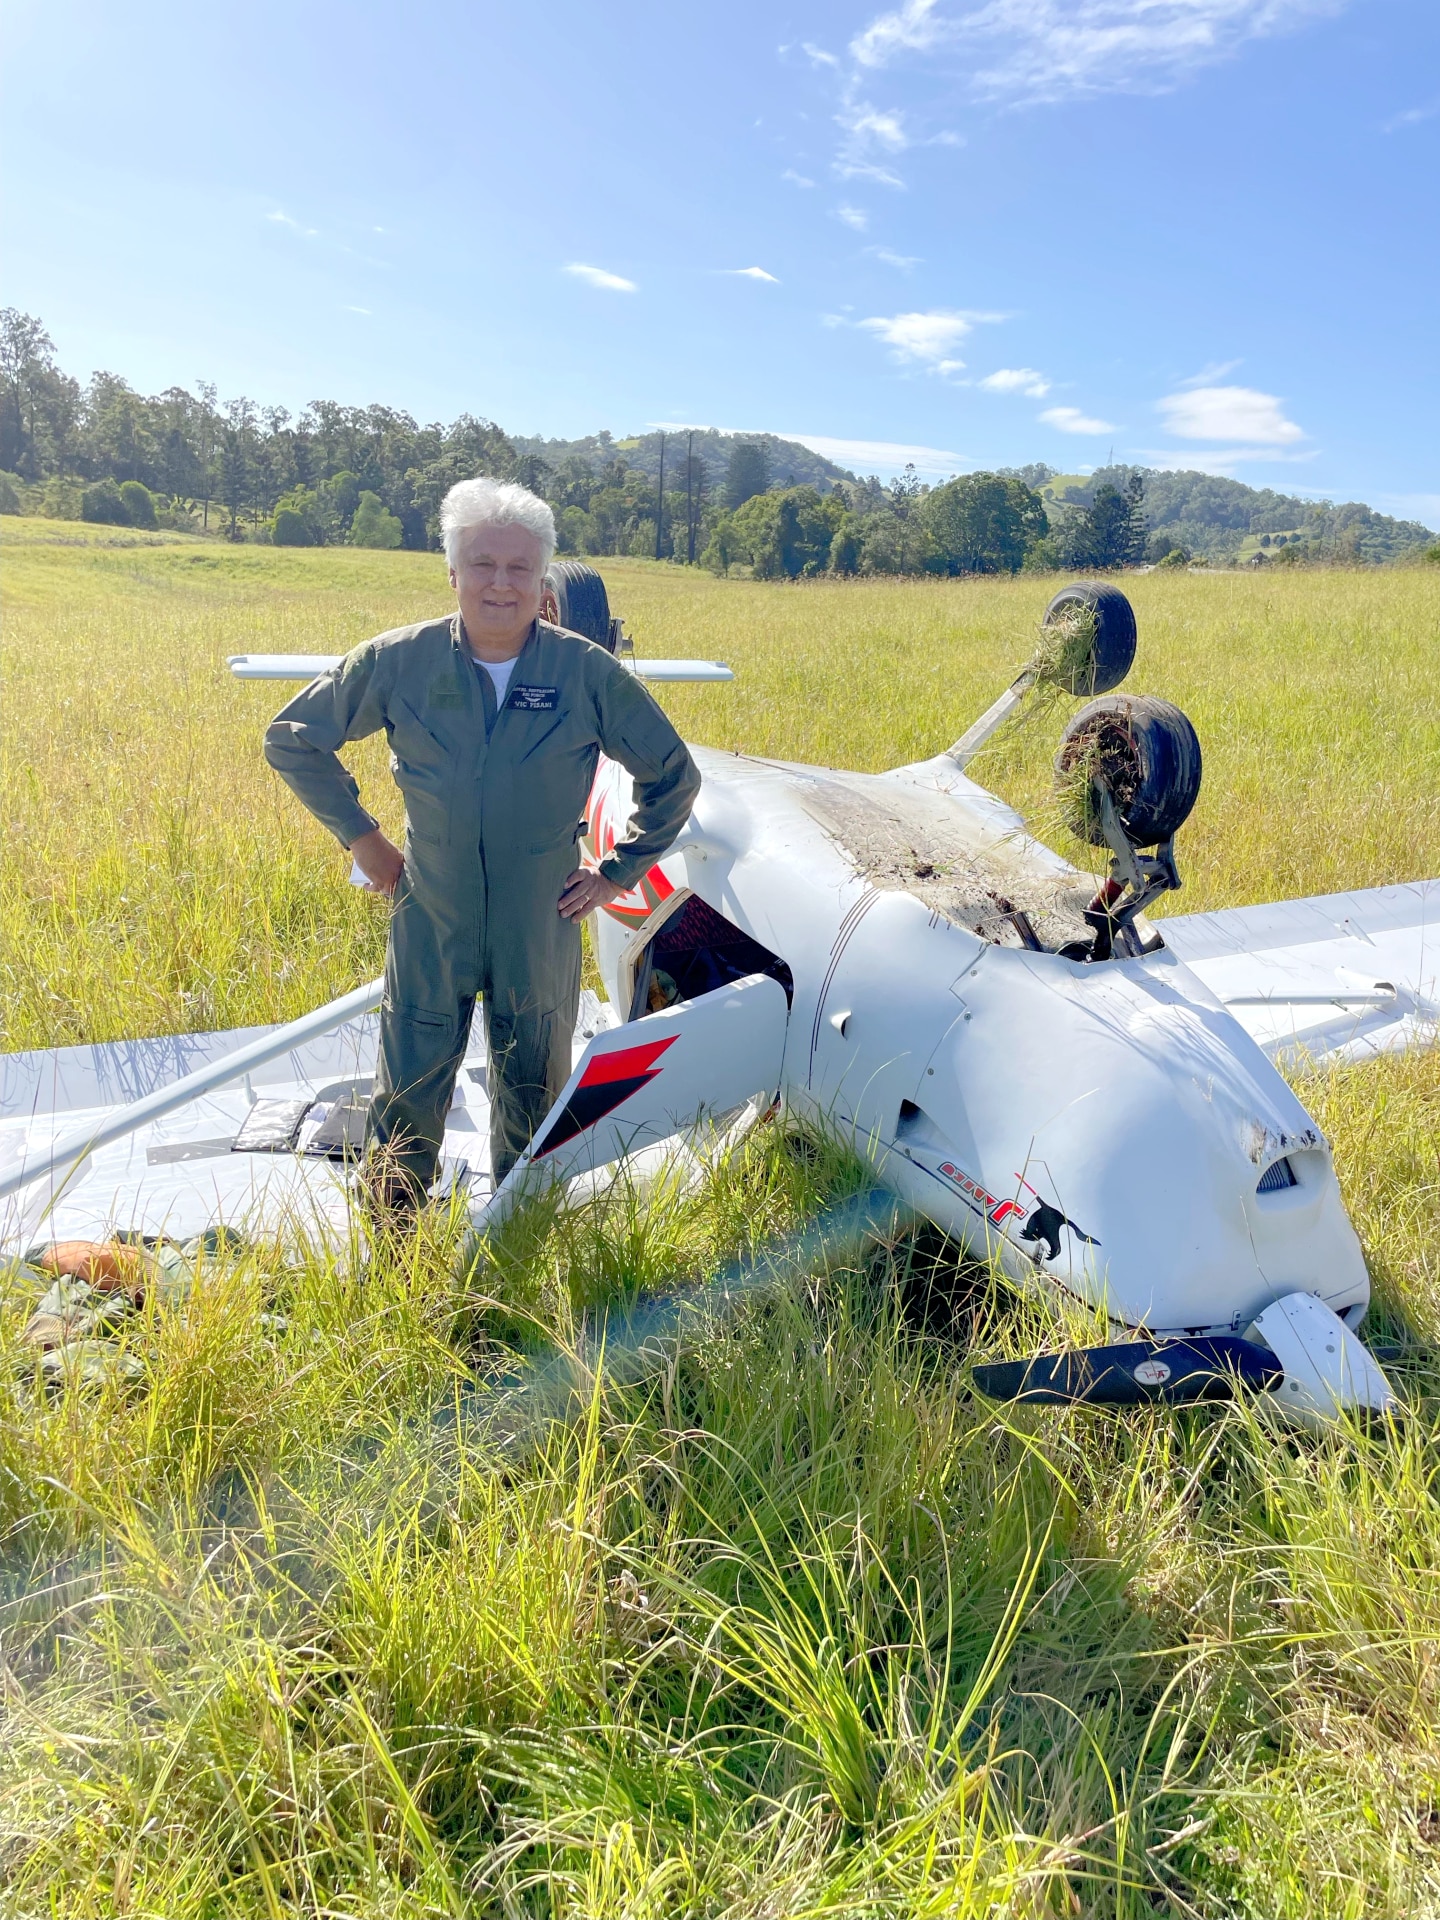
[{"x": 584, "y": 891}]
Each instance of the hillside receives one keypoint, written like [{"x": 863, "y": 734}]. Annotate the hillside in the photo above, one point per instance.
[
  {"x": 373, "y": 475},
  {"x": 1220, "y": 519},
  {"x": 791, "y": 464}
]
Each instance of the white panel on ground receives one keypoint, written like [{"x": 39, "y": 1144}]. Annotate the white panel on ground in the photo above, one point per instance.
[
  {"x": 1327, "y": 1371},
  {"x": 161, "y": 1120}
]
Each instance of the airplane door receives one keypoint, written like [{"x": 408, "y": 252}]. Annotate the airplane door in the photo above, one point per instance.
[{"x": 651, "y": 1079}]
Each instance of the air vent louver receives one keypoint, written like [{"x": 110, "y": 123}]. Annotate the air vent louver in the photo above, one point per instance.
[{"x": 1276, "y": 1177}]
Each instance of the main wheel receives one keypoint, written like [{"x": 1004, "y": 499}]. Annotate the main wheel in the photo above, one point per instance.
[
  {"x": 1144, "y": 753},
  {"x": 1112, "y": 647},
  {"x": 575, "y": 598}
]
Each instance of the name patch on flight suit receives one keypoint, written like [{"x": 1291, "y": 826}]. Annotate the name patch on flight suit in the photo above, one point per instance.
[
  {"x": 533, "y": 699},
  {"x": 444, "y": 693}
]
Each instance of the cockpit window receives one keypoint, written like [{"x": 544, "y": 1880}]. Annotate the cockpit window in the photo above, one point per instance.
[{"x": 696, "y": 951}]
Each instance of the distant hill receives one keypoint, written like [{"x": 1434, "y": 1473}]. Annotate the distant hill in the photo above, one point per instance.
[
  {"x": 791, "y": 465},
  {"x": 1220, "y": 519}
]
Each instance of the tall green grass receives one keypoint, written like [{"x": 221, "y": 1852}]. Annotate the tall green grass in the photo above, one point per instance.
[{"x": 331, "y": 1613}]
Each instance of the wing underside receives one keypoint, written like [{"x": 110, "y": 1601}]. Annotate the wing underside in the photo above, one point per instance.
[
  {"x": 267, "y": 1151},
  {"x": 1340, "y": 977}
]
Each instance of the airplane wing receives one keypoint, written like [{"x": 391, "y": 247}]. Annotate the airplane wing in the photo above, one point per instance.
[
  {"x": 306, "y": 666},
  {"x": 1340, "y": 977},
  {"x": 653, "y": 1079},
  {"x": 254, "y": 1128}
]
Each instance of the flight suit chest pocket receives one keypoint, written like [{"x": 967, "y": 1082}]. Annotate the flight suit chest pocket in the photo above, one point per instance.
[
  {"x": 424, "y": 771},
  {"x": 414, "y": 743},
  {"x": 532, "y": 726}
]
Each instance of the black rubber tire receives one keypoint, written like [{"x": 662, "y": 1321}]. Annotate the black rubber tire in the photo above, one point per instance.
[
  {"x": 1114, "y": 649},
  {"x": 1146, "y": 753},
  {"x": 581, "y": 603}
]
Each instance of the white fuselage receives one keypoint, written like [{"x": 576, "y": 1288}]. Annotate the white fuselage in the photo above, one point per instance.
[{"x": 1102, "y": 1126}]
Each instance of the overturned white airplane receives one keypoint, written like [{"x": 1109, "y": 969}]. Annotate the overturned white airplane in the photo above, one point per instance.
[{"x": 1089, "y": 1098}]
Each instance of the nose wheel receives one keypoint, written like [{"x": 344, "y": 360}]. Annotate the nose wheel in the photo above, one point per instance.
[{"x": 1128, "y": 773}]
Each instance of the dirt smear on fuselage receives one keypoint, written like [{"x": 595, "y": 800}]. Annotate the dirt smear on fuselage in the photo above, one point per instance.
[{"x": 903, "y": 839}]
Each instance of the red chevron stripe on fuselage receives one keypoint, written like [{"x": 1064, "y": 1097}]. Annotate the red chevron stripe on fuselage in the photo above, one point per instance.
[{"x": 607, "y": 1083}]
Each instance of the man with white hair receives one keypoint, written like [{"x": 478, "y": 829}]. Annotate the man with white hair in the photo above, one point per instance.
[{"x": 495, "y": 720}]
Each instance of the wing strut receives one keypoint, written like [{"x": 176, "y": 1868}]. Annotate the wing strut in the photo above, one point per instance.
[{"x": 72, "y": 1147}]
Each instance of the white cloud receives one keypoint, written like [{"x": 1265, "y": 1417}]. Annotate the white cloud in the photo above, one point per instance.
[
  {"x": 1017, "y": 380},
  {"x": 364, "y": 310},
  {"x": 865, "y": 123},
  {"x": 902, "y": 260},
  {"x": 598, "y": 277},
  {"x": 1072, "y": 420},
  {"x": 910, "y": 29},
  {"x": 866, "y": 170},
  {"x": 1229, "y": 413},
  {"x": 285, "y": 220},
  {"x": 853, "y": 217},
  {"x": 1039, "y": 50},
  {"x": 796, "y": 179},
  {"x": 748, "y": 273},
  {"x": 926, "y": 339},
  {"x": 818, "y": 56},
  {"x": 884, "y": 457},
  {"x": 1220, "y": 460},
  {"x": 1412, "y": 116}
]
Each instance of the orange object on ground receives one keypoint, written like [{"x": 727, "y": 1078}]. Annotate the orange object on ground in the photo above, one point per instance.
[{"x": 110, "y": 1266}]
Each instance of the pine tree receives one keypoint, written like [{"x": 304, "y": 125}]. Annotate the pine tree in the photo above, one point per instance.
[
  {"x": 747, "y": 473},
  {"x": 1110, "y": 532}
]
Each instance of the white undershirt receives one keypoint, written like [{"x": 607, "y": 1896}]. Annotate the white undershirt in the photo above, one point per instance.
[{"x": 500, "y": 672}]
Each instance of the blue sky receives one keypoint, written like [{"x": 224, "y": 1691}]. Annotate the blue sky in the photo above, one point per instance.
[{"x": 1201, "y": 232}]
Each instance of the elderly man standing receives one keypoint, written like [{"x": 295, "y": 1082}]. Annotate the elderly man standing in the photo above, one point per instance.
[{"x": 495, "y": 721}]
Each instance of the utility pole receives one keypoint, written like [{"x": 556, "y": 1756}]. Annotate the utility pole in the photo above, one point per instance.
[
  {"x": 660, "y": 501},
  {"x": 689, "y": 499}
]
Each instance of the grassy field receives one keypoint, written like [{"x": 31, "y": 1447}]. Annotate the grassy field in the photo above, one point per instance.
[{"x": 319, "y": 1616}]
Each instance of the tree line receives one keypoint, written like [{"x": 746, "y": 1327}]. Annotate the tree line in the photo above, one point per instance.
[{"x": 374, "y": 476}]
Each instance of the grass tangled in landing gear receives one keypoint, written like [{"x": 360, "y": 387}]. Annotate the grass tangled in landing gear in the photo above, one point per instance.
[{"x": 1064, "y": 650}]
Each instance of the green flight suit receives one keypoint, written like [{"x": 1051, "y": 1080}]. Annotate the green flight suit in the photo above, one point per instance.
[{"x": 494, "y": 806}]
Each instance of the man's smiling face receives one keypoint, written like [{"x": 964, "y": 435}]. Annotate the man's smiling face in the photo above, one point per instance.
[{"x": 498, "y": 579}]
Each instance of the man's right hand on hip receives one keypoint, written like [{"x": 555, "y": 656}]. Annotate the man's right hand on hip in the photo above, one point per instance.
[{"x": 379, "y": 859}]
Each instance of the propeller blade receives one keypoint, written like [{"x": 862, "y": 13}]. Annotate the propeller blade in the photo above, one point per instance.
[{"x": 1135, "y": 1373}]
